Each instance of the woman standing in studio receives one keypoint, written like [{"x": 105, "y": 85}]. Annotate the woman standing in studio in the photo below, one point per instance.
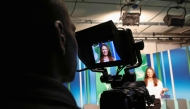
[{"x": 155, "y": 87}]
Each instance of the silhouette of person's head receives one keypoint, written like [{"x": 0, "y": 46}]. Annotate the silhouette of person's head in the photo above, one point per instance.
[
  {"x": 38, "y": 55},
  {"x": 38, "y": 37}
]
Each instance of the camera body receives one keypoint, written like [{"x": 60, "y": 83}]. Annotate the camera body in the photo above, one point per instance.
[
  {"x": 103, "y": 46},
  {"x": 117, "y": 99},
  {"x": 126, "y": 92}
]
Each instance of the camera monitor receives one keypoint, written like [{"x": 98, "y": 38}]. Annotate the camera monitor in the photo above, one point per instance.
[
  {"x": 104, "y": 45},
  {"x": 105, "y": 53}
]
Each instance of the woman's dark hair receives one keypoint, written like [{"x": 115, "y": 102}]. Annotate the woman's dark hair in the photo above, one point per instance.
[
  {"x": 102, "y": 55},
  {"x": 155, "y": 80}
]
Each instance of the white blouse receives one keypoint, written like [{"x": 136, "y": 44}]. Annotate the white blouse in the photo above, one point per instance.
[{"x": 155, "y": 90}]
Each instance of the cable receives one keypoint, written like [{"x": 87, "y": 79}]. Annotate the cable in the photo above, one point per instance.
[
  {"x": 76, "y": 18},
  {"x": 73, "y": 8}
]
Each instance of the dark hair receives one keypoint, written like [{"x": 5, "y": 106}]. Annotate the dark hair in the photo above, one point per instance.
[
  {"x": 155, "y": 80},
  {"x": 102, "y": 55}
]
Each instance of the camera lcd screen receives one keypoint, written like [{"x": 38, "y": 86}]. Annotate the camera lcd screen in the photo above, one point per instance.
[{"x": 105, "y": 52}]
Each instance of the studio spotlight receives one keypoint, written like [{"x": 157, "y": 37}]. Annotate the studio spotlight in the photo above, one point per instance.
[
  {"x": 175, "y": 20},
  {"x": 131, "y": 19}
]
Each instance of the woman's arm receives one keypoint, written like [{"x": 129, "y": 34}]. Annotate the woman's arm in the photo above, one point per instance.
[{"x": 164, "y": 90}]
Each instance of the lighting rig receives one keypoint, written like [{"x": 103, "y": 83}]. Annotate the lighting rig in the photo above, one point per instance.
[{"x": 130, "y": 19}]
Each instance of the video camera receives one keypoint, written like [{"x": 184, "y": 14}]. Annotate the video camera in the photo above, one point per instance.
[{"x": 105, "y": 45}]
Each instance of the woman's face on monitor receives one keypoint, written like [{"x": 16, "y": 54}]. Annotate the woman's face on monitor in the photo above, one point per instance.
[{"x": 104, "y": 50}]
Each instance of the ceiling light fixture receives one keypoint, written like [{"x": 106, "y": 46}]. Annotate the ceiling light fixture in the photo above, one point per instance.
[
  {"x": 130, "y": 18},
  {"x": 175, "y": 20}
]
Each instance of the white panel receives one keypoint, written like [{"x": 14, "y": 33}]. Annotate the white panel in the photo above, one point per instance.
[
  {"x": 165, "y": 46},
  {"x": 153, "y": 47},
  {"x": 149, "y": 47}
]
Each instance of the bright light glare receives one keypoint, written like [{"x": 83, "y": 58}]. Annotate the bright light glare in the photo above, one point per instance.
[{"x": 114, "y": 16}]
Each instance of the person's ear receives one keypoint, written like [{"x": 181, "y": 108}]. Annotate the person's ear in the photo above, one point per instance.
[{"x": 60, "y": 37}]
